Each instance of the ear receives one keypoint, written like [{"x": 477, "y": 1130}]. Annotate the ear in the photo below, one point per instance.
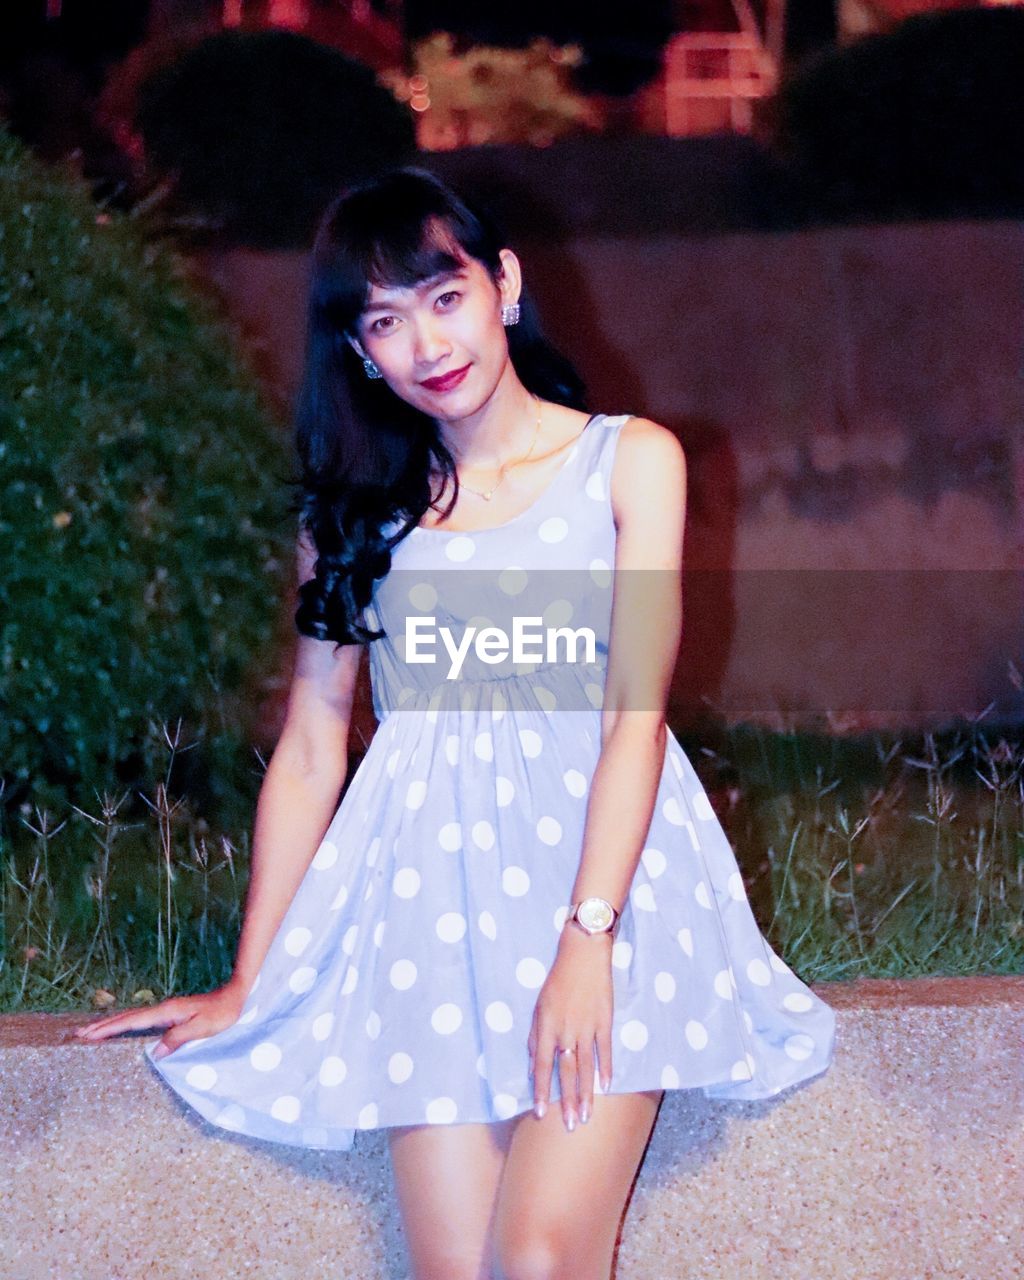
[
  {"x": 510, "y": 279},
  {"x": 353, "y": 343}
]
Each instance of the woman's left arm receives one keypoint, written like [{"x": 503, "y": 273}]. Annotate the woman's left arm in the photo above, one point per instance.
[{"x": 574, "y": 1008}]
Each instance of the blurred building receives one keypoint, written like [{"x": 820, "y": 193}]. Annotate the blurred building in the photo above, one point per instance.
[
  {"x": 865, "y": 17},
  {"x": 724, "y": 55}
]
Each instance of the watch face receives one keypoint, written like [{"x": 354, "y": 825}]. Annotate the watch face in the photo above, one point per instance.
[{"x": 595, "y": 913}]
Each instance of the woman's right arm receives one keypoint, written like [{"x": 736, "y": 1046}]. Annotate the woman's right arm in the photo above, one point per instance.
[
  {"x": 297, "y": 800},
  {"x": 300, "y": 791}
]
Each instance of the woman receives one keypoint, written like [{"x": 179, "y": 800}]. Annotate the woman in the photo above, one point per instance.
[{"x": 524, "y": 896}]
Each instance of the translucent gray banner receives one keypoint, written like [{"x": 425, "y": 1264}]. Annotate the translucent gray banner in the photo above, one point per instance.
[{"x": 542, "y": 638}]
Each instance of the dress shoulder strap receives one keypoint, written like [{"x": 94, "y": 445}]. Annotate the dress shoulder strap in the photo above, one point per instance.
[{"x": 602, "y": 458}]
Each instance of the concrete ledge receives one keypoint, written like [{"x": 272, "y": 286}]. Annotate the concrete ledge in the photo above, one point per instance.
[{"x": 904, "y": 1161}]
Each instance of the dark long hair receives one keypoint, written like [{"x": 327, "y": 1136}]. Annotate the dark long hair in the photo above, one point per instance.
[{"x": 365, "y": 453}]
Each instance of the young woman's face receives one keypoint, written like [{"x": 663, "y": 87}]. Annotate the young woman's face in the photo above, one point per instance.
[{"x": 441, "y": 345}]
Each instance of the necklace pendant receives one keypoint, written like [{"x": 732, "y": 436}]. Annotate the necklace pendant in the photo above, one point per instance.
[{"x": 487, "y": 496}]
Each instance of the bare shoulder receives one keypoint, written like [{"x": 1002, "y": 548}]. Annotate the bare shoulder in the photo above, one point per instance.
[{"x": 649, "y": 472}]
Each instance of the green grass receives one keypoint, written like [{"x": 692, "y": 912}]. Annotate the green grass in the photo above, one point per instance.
[
  {"x": 878, "y": 856},
  {"x": 873, "y": 856}
]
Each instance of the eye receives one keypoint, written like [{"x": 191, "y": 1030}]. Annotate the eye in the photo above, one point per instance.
[
  {"x": 379, "y": 325},
  {"x": 450, "y": 293}
]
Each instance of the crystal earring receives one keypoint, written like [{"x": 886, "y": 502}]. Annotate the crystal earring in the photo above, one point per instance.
[
  {"x": 371, "y": 369},
  {"x": 510, "y": 313}
]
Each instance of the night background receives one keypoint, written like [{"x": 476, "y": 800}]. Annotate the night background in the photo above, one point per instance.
[{"x": 792, "y": 232}]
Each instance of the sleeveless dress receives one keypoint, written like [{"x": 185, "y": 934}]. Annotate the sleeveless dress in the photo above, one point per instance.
[{"x": 401, "y": 985}]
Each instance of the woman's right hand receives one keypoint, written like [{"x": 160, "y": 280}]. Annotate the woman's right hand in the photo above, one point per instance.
[{"x": 188, "y": 1017}]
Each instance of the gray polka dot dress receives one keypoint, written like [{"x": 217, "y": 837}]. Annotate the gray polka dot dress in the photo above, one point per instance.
[{"x": 401, "y": 984}]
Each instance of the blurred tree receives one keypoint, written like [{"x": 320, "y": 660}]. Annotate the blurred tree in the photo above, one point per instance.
[
  {"x": 919, "y": 122},
  {"x": 53, "y": 62},
  {"x": 810, "y": 25},
  {"x": 83, "y": 34},
  {"x": 248, "y": 134},
  {"x": 621, "y": 51}
]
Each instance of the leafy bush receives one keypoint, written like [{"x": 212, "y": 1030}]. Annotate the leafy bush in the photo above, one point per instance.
[
  {"x": 919, "y": 122},
  {"x": 246, "y": 135},
  {"x": 145, "y": 538}
]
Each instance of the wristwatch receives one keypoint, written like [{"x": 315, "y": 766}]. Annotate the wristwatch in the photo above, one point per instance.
[{"x": 593, "y": 915}]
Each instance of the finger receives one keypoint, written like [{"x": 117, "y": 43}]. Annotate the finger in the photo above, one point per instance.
[
  {"x": 543, "y": 1065},
  {"x": 531, "y": 1043},
  {"x": 131, "y": 1020},
  {"x": 89, "y": 1027},
  {"x": 567, "y": 1072},
  {"x": 177, "y": 1036},
  {"x": 585, "y": 1071},
  {"x": 158, "y": 1015},
  {"x": 604, "y": 1054}
]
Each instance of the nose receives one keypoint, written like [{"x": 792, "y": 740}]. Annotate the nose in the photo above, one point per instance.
[{"x": 431, "y": 344}]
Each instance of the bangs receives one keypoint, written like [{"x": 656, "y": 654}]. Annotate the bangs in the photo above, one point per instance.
[
  {"x": 417, "y": 253},
  {"x": 394, "y": 234}
]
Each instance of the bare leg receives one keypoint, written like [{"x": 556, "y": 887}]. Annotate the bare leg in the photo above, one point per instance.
[
  {"x": 447, "y": 1178},
  {"x": 563, "y": 1194}
]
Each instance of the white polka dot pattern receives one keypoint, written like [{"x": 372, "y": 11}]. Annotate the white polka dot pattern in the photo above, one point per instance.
[{"x": 402, "y": 982}]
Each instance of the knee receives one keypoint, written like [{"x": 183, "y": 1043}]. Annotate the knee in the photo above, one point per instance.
[
  {"x": 443, "y": 1265},
  {"x": 529, "y": 1259}
]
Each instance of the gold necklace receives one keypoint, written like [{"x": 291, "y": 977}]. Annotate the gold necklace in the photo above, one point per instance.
[{"x": 489, "y": 493}]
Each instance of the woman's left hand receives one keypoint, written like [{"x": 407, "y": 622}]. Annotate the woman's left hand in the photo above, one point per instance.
[{"x": 574, "y": 1011}]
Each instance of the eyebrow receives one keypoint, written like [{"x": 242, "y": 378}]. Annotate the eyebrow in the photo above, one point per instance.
[{"x": 455, "y": 273}]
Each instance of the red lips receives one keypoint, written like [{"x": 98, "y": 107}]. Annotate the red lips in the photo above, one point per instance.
[{"x": 446, "y": 381}]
